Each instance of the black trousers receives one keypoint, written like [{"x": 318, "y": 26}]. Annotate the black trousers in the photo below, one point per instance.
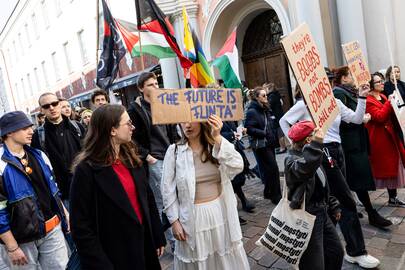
[
  {"x": 269, "y": 173},
  {"x": 349, "y": 222},
  {"x": 324, "y": 251}
]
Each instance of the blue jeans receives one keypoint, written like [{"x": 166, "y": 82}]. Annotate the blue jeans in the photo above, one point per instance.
[
  {"x": 155, "y": 177},
  {"x": 48, "y": 253}
]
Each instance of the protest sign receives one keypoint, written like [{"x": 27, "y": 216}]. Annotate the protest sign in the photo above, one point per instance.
[
  {"x": 356, "y": 63},
  {"x": 305, "y": 61},
  {"x": 170, "y": 106}
]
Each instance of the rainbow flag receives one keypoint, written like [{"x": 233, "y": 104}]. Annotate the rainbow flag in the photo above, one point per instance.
[{"x": 200, "y": 71}]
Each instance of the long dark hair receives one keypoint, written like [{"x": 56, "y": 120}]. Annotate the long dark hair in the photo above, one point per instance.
[
  {"x": 98, "y": 147},
  {"x": 207, "y": 141}
]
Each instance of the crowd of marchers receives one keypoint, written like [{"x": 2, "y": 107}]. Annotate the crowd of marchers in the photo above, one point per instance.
[{"x": 121, "y": 188}]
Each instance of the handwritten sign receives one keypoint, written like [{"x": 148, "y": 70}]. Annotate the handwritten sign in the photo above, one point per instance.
[
  {"x": 171, "y": 106},
  {"x": 399, "y": 109},
  {"x": 357, "y": 63},
  {"x": 305, "y": 61}
]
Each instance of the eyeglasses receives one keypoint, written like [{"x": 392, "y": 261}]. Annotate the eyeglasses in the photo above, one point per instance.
[
  {"x": 129, "y": 124},
  {"x": 47, "y": 106},
  {"x": 378, "y": 82},
  {"x": 263, "y": 95}
]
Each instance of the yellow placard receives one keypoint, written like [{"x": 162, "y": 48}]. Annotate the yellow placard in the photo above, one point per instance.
[{"x": 356, "y": 63}]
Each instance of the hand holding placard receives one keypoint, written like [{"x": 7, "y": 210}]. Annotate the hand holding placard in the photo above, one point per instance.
[{"x": 171, "y": 106}]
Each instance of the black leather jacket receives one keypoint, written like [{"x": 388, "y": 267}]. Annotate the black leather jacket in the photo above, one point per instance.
[{"x": 301, "y": 176}]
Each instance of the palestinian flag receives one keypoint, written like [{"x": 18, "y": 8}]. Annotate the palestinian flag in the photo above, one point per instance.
[
  {"x": 152, "y": 43},
  {"x": 227, "y": 62},
  {"x": 200, "y": 71},
  {"x": 112, "y": 53},
  {"x": 151, "y": 18}
]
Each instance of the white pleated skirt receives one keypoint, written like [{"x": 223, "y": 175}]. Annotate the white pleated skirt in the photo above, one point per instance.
[{"x": 214, "y": 249}]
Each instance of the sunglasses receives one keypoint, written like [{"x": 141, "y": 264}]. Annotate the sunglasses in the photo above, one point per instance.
[{"x": 47, "y": 106}]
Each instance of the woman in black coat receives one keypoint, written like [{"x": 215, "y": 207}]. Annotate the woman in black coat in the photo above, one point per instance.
[
  {"x": 261, "y": 127},
  {"x": 114, "y": 220}
]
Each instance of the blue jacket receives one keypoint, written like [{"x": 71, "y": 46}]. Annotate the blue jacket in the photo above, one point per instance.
[{"x": 19, "y": 209}]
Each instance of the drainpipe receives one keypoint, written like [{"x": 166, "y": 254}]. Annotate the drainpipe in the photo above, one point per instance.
[{"x": 8, "y": 79}]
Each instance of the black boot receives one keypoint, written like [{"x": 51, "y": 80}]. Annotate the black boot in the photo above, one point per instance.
[
  {"x": 248, "y": 207},
  {"x": 378, "y": 221}
]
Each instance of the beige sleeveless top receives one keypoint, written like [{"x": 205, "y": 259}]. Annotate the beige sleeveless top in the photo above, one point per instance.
[{"x": 208, "y": 180}]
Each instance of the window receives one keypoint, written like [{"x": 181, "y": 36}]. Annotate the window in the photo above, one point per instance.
[
  {"x": 27, "y": 35},
  {"x": 17, "y": 92},
  {"x": 24, "y": 92},
  {"x": 10, "y": 61},
  {"x": 44, "y": 73},
  {"x": 55, "y": 66},
  {"x": 82, "y": 45},
  {"x": 58, "y": 8},
  {"x": 15, "y": 51},
  {"x": 45, "y": 14},
  {"x": 30, "y": 84},
  {"x": 67, "y": 58},
  {"x": 38, "y": 84},
  {"x": 35, "y": 25},
  {"x": 21, "y": 43}
]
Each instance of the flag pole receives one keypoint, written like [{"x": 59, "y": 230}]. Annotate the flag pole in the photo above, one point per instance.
[
  {"x": 140, "y": 50},
  {"x": 97, "y": 30},
  {"x": 138, "y": 25}
]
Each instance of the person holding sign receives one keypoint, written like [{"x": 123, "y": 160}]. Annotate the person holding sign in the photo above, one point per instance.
[
  {"x": 306, "y": 179},
  {"x": 389, "y": 85},
  {"x": 335, "y": 168},
  {"x": 262, "y": 128},
  {"x": 355, "y": 144},
  {"x": 387, "y": 155},
  {"x": 199, "y": 200}
]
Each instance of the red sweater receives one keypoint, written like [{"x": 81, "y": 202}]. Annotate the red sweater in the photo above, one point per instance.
[{"x": 128, "y": 184}]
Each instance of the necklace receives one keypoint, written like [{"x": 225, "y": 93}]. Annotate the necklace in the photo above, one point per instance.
[{"x": 25, "y": 163}]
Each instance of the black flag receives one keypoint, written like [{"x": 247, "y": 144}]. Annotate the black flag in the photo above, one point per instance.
[{"x": 112, "y": 53}]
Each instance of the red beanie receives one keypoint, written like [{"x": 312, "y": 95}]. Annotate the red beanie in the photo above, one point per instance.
[{"x": 301, "y": 130}]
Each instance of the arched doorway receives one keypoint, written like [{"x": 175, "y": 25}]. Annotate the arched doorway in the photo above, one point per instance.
[{"x": 263, "y": 57}]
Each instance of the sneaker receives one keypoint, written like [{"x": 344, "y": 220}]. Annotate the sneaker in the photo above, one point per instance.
[
  {"x": 375, "y": 219},
  {"x": 366, "y": 261},
  {"x": 242, "y": 221},
  {"x": 395, "y": 202}
]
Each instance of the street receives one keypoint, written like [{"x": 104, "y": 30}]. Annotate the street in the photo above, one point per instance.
[{"x": 387, "y": 245}]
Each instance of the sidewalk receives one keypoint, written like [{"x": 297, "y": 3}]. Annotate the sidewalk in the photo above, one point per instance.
[{"x": 386, "y": 245}]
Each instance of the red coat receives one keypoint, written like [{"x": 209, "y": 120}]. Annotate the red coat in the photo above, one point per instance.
[{"x": 385, "y": 145}]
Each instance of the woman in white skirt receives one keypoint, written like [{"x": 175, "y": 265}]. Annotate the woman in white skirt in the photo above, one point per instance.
[{"x": 199, "y": 200}]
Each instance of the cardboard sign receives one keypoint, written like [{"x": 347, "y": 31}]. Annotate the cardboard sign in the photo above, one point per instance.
[
  {"x": 305, "y": 61},
  {"x": 357, "y": 63},
  {"x": 170, "y": 106}
]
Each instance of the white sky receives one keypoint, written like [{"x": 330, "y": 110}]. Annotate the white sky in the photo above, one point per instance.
[{"x": 6, "y": 7}]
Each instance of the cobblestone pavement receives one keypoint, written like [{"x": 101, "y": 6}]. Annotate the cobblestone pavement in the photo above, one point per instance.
[{"x": 387, "y": 245}]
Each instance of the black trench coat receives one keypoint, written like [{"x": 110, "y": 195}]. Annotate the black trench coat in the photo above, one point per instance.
[
  {"x": 104, "y": 226},
  {"x": 356, "y": 146}
]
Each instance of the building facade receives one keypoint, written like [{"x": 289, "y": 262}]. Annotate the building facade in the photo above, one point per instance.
[{"x": 50, "y": 45}]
